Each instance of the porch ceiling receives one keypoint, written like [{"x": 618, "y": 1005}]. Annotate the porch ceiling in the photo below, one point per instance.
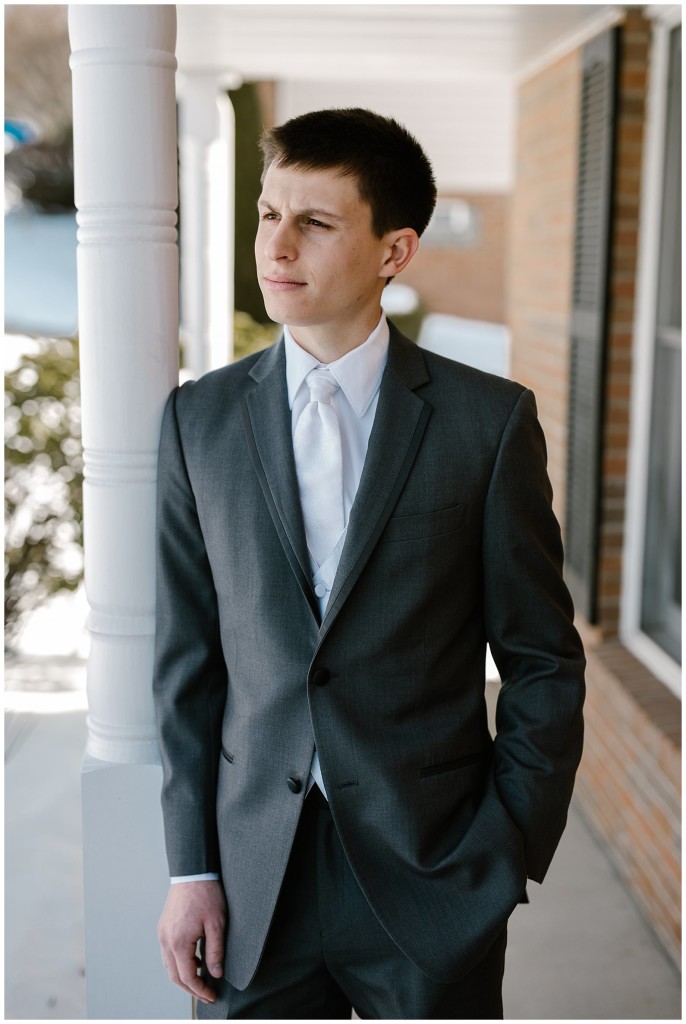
[{"x": 407, "y": 42}]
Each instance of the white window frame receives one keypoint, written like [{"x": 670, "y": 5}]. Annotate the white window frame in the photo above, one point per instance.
[{"x": 665, "y": 668}]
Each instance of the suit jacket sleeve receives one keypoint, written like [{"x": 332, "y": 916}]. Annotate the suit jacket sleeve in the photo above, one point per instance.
[
  {"x": 189, "y": 680},
  {"x": 529, "y": 623}
]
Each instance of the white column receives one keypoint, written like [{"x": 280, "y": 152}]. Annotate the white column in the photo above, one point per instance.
[
  {"x": 125, "y": 179},
  {"x": 206, "y": 171}
]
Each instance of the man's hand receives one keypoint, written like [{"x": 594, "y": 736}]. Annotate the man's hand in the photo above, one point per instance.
[{"x": 194, "y": 910}]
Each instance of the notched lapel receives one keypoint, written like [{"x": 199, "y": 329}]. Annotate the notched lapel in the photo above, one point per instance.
[
  {"x": 267, "y": 424},
  {"x": 399, "y": 425}
]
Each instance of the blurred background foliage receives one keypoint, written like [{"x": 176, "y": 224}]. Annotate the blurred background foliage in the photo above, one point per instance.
[
  {"x": 42, "y": 173},
  {"x": 37, "y": 74},
  {"x": 38, "y": 92},
  {"x": 250, "y": 336},
  {"x": 43, "y": 479}
]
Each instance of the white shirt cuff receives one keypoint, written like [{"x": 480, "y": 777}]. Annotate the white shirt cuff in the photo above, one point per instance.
[{"x": 209, "y": 876}]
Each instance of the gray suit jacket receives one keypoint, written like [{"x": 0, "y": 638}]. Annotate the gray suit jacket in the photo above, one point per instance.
[{"x": 451, "y": 544}]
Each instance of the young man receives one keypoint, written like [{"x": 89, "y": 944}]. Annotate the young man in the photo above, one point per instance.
[{"x": 344, "y": 522}]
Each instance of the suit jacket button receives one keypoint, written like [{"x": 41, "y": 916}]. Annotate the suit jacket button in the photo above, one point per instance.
[
  {"x": 295, "y": 785},
  {"x": 321, "y": 677}
]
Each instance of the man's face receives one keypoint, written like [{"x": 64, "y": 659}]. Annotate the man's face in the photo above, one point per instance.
[{"x": 319, "y": 265}]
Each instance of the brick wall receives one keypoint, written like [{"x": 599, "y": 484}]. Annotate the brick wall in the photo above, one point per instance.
[
  {"x": 467, "y": 282},
  {"x": 628, "y": 785},
  {"x": 541, "y": 250}
]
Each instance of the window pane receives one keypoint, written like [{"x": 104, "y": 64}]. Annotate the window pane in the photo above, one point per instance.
[
  {"x": 661, "y": 610},
  {"x": 662, "y": 570}
]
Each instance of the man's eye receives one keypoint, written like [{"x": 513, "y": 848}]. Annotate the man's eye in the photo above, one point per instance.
[
  {"x": 268, "y": 216},
  {"x": 317, "y": 223}
]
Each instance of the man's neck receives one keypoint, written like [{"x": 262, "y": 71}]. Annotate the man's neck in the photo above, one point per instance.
[{"x": 327, "y": 344}]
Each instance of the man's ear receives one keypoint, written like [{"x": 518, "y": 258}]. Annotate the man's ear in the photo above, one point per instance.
[{"x": 401, "y": 245}]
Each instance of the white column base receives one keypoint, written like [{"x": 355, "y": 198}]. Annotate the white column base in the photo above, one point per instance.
[{"x": 126, "y": 882}]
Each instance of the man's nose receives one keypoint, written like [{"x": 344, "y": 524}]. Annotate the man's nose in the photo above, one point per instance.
[{"x": 281, "y": 242}]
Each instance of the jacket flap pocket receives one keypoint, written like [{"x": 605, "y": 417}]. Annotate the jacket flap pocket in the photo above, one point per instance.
[{"x": 417, "y": 526}]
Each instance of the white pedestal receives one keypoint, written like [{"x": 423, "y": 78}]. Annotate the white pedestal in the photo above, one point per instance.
[{"x": 126, "y": 882}]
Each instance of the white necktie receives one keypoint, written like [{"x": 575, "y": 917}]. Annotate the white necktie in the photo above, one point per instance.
[{"x": 319, "y": 465}]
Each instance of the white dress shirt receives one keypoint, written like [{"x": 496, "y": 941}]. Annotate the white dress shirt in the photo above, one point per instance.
[{"x": 358, "y": 374}]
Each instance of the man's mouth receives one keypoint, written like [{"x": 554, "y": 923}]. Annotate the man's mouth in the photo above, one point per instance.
[{"x": 283, "y": 284}]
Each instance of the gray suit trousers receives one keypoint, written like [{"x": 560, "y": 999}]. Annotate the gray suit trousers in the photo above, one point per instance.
[{"x": 327, "y": 954}]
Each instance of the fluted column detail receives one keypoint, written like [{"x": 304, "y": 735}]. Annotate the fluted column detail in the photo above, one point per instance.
[{"x": 123, "y": 68}]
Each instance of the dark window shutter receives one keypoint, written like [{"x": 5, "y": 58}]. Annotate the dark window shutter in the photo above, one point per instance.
[{"x": 590, "y": 318}]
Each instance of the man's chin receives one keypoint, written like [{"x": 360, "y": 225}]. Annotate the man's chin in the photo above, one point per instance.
[
  {"x": 283, "y": 317},
  {"x": 278, "y": 312}
]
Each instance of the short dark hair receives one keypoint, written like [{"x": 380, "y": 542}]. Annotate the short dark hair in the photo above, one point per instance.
[{"x": 392, "y": 171}]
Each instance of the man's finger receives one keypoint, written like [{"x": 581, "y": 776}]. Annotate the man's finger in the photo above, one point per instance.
[
  {"x": 184, "y": 973},
  {"x": 189, "y": 979},
  {"x": 214, "y": 947},
  {"x": 194, "y": 911},
  {"x": 170, "y": 967}
]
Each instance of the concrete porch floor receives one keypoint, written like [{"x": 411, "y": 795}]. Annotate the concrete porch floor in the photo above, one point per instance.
[{"x": 579, "y": 950}]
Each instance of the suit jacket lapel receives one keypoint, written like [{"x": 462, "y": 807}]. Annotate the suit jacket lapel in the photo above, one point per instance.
[
  {"x": 399, "y": 426},
  {"x": 267, "y": 424}
]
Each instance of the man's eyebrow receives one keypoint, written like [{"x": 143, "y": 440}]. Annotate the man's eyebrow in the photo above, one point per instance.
[{"x": 312, "y": 212}]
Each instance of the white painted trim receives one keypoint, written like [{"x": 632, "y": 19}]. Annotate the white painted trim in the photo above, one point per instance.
[
  {"x": 655, "y": 659},
  {"x": 668, "y": 15},
  {"x": 219, "y": 265},
  {"x": 607, "y": 18},
  {"x": 644, "y": 333},
  {"x": 206, "y": 177},
  {"x": 100, "y": 56}
]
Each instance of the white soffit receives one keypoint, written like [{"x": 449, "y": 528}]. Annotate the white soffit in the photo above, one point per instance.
[
  {"x": 404, "y": 42},
  {"x": 447, "y": 118}
]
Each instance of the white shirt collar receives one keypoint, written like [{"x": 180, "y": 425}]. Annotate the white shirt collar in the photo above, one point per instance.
[{"x": 358, "y": 372}]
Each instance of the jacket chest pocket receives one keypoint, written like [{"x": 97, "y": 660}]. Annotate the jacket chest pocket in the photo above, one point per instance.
[{"x": 423, "y": 525}]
